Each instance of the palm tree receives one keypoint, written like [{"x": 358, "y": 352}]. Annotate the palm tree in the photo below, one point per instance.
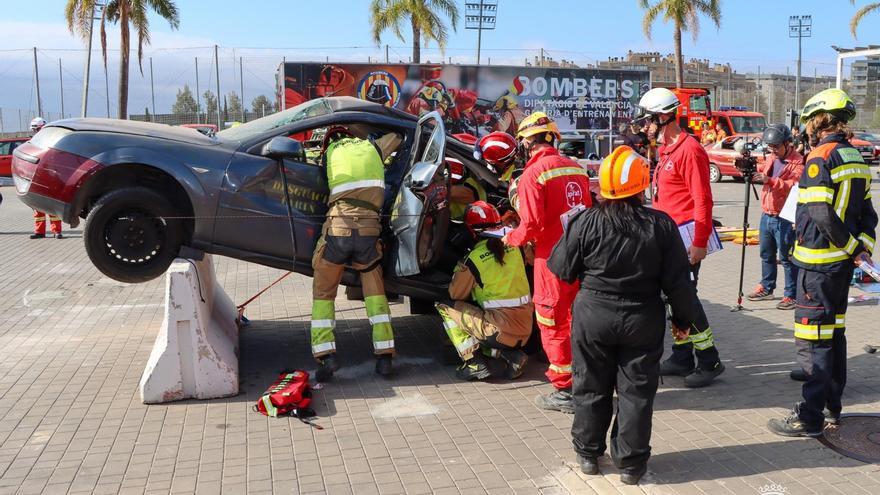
[
  {"x": 862, "y": 12},
  {"x": 128, "y": 14},
  {"x": 424, "y": 18},
  {"x": 684, "y": 14}
]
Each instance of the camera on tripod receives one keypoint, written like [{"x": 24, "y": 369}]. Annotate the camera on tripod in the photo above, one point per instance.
[{"x": 746, "y": 163}]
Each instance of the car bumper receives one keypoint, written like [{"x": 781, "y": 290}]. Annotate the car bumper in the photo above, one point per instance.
[{"x": 50, "y": 205}]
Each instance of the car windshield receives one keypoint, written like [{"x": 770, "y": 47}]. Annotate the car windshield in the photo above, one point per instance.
[
  {"x": 867, "y": 136},
  {"x": 748, "y": 125},
  {"x": 244, "y": 132}
]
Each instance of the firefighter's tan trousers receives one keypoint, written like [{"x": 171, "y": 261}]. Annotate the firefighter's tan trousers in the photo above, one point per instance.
[{"x": 351, "y": 241}]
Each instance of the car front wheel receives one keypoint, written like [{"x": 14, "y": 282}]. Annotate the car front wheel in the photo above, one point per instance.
[
  {"x": 129, "y": 236},
  {"x": 714, "y": 173}
]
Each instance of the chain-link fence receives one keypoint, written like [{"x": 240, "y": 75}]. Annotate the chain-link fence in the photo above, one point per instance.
[{"x": 186, "y": 85}]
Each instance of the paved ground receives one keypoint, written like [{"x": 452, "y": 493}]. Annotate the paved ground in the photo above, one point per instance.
[{"x": 74, "y": 344}]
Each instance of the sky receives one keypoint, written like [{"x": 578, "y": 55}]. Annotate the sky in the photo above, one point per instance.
[{"x": 753, "y": 33}]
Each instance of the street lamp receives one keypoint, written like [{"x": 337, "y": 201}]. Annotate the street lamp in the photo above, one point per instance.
[
  {"x": 480, "y": 15},
  {"x": 799, "y": 26}
]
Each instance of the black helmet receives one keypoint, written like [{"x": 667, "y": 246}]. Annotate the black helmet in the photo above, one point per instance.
[{"x": 777, "y": 134}]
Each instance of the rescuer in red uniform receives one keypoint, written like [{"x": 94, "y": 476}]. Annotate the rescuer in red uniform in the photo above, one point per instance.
[
  {"x": 682, "y": 191},
  {"x": 550, "y": 186}
]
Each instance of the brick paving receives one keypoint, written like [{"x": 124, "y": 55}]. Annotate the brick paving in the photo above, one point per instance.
[{"x": 74, "y": 345}]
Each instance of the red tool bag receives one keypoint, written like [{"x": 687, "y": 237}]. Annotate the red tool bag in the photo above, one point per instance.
[{"x": 290, "y": 395}]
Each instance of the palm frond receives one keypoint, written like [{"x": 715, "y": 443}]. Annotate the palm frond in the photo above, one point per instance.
[
  {"x": 860, "y": 14},
  {"x": 167, "y": 10},
  {"x": 650, "y": 16},
  {"x": 137, "y": 17}
]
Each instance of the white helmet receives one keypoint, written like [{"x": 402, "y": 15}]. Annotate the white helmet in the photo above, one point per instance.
[
  {"x": 37, "y": 124},
  {"x": 659, "y": 101}
]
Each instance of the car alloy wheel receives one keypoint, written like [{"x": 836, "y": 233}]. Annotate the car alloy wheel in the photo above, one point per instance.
[
  {"x": 134, "y": 237},
  {"x": 714, "y": 173}
]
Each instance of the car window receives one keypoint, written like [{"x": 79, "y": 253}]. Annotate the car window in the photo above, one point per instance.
[
  {"x": 748, "y": 125},
  {"x": 256, "y": 128},
  {"x": 5, "y": 148}
]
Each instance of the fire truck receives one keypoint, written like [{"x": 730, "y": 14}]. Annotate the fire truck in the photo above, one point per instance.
[{"x": 696, "y": 108}]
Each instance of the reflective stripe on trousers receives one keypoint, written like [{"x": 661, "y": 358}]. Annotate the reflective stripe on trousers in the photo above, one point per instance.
[
  {"x": 464, "y": 343},
  {"x": 323, "y": 323},
  {"x": 380, "y": 319}
]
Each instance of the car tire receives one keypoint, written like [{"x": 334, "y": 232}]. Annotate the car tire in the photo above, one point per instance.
[
  {"x": 714, "y": 173},
  {"x": 135, "y": 216}
]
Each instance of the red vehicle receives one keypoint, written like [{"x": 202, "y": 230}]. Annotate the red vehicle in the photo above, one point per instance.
[
  {"x": 6, "y": 148},
  {"x": 866, "y": 149},
  {"x": 696, "y": 108},
  {"x": 721, "y": 158}
]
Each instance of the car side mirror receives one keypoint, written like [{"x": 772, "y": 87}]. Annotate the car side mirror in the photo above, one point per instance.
[
  {"x": 421, "y": 175},
  {"x": 280, "y": 148}
]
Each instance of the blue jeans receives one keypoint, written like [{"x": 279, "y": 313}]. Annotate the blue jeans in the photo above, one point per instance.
[{"x": 777, "y": 238}]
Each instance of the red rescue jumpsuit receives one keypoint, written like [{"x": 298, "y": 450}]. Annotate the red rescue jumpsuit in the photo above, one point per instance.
[
  {"x": 550, "y": 186},
  {"x": 40, "y": 223}
]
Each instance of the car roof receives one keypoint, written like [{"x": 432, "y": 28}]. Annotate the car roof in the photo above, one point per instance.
[
  {"x": 738, "y": 113},
  {"x": 352, "y": 104}
]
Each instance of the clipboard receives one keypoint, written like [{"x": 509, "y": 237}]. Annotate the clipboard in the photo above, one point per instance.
[{"x": 686, "y": 231}]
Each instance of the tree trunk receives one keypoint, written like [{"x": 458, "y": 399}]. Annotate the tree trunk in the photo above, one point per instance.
[
  {"x": 124, "y": 47},
  {"x": 417, "y": 44},
  {"x": 679, "y": 61}
]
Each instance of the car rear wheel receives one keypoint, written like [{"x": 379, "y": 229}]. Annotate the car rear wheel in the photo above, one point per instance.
[
  {"x": 714, "y": 173},
  {"x": 129, "y": 237}
]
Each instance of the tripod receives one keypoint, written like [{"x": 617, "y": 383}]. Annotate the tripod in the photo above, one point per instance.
[{"x": 747, "y": 176}]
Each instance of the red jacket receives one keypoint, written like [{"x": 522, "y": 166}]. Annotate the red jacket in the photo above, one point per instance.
[
  {"x": 550, "y": 185},
  {"x": 681, "y": 186},
  {"x": 776, "y": 189}
]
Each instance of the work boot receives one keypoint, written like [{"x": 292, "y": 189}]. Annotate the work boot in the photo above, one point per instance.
[
  {"x": 559, "y": 400},
  {"x": 831, "y": 417},
  {"x": 632, "y": 475},
  {"x": 37, "y": 236},
  {"x": 589, "y": 465},
  {"x": 59, "y": 236},
  {"x": 384, "y": 367},
  {"x": 798, "y": 375},
  {"x": 326, "y": 367},
  {"x": 793, "y": 426},
  {"x": 760, "y": 294},
  {"x": 701, "y": 378},
  {"x": 672, "y": 368},
  {"x": 786, "y": 303},
  {"x": 474, "y": 368},
  {"x": 516, "y": 363}
]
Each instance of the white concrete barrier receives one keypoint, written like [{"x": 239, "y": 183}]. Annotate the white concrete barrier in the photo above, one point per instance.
[{"x": 196, "y": 351}]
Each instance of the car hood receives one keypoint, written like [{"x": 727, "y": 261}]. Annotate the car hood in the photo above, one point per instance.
[{"x": 147, "y": 129}]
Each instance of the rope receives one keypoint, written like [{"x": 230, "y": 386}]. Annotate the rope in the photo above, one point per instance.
[{"x": 243, "y": 305}]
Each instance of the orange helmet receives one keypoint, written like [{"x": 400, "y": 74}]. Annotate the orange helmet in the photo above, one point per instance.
[
  {"x": 538, "y": 123},
  {"x": 480, "y": 216},
  {"x": 623, "y": 173}
]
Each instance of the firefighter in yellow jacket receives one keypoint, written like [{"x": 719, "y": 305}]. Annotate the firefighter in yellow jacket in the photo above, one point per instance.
[
  {"x": 356, "y": 176},
  {"x": 835, "y": 224},
  {"x": 494, "y": 277}
]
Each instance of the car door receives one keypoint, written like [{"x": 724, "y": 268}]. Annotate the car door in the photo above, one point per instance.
[
  {"x": 420, "y": 215},
  {"x": 5, "y": 158},
  {"x": 253, "y": 207}
]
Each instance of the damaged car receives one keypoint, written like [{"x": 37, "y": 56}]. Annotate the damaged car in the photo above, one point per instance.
[{"x": 255, "y": 192}]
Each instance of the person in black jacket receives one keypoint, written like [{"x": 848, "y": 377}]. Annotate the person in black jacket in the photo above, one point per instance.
[{"x": 625, "y": 255}]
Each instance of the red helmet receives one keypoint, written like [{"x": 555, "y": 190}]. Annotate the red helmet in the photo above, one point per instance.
[
  {"x": 466, "y": 138},
  {"x": 497, "y": 148},
  {"x": 456, "y": 170},
  {"x": 480, "y": 216},
  {"x": 335, "y": 132}
]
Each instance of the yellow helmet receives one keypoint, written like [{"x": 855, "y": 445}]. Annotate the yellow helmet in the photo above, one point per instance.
[
  {"x": 505, "y": 101},
  {"x": 832, "y": 100},
  {"x": 537, "y": 123},
  {"x": 623, "y": 173}
]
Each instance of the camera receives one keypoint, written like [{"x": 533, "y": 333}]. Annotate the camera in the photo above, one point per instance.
[{"x": 746, "y": 163}]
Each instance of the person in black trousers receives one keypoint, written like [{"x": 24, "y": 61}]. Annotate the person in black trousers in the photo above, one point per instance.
[{"x": 625, "y": 255}]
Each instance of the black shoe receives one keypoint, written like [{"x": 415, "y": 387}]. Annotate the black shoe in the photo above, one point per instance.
[
  {"x": 793, "y": 426},
  {"x": 516, "y": 363},
  {"x": 671, "y": 368},
  {"x": 384, "y": 367},
  {"x": 798, "y": 375},
  {"x": 632, "y": 475},
  {"x": 832, "y": 418},
  {"x": 59, "y": 236},
  {"x": 326, "y": 368},
  {"x": 474, "y": 368},
  {"x": 38, "y": 236},
  {"x": 560, "y": 400},
  {"x": 589, "y": 465},
  {"x": 701, "y": 378}
]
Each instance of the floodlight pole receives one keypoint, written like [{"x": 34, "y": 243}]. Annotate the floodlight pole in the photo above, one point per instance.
[
  {"x": 799, "y": 26},
  {"x": 480, "y": 32}
]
